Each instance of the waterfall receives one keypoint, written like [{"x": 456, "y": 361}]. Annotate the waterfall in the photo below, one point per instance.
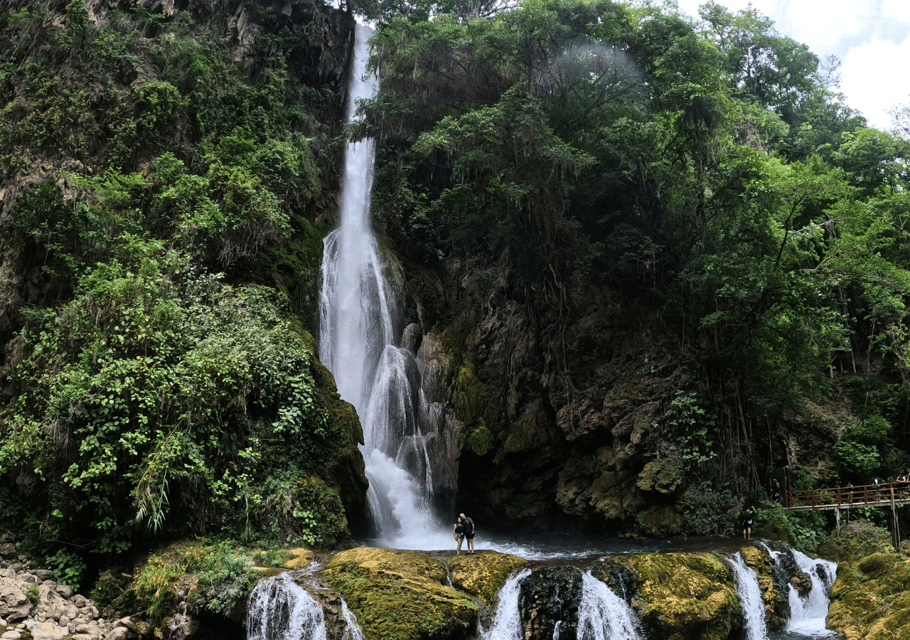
[
  {"x": 279, "y": 609},
  {"x": 603, "y": 615},
  {"x": 507, "y": 623},
  {"x": 359, "y": 323},
  {"x": 807, "y": 615},
  {"x": 352, "y": 630},
  {"x": 750, "y": 599}
]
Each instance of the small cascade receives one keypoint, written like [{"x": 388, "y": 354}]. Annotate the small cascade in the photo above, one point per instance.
[
  {"x": 352, "y": 630},
  {"x": 603, "y": 615},
  {"x": 507, "y": 623},
  {"x": 750, "y": 599},
  {"x": 279, "y": 609},
  {"x": 178, "y": 627},
  {"x": 807, "y": 615}
]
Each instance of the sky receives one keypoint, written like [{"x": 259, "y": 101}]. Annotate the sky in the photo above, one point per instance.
[{"x": 870, "y": 37}]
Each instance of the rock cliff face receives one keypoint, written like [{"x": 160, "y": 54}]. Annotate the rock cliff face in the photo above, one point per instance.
[{"x": 555, "y": 411}]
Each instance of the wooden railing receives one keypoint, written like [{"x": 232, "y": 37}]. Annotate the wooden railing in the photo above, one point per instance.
[{"x": 849, "y": 496}]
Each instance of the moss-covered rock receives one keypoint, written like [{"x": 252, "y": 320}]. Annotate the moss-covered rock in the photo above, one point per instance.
[
  {"x": 659, "y": 521},
  {"x": 400, "y": 595},
  {"x": 484, "y": 573},
  {"x": 685, "y": 595},
  {"x": 871, "y": 598},
  {"x": 664, "y": 475},
  {"x": 777, "y": 606},
  {"x": 855, "y": 541}
]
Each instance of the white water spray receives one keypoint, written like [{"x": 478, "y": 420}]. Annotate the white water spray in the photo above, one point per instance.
[
  {"x": 603, "y": 615},
  {"x": 360, "y": 323},
  {"x": 807, "y": 615},
  {"x": 750, "y": 599},
  {"x": 352, "y": 630},
  {"x": 507, "y": 623},
  {"x": 279, "y": 609}
]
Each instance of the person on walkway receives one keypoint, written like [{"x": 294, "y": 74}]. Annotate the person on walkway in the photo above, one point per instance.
[
  {"x": 468, "y": 531},
  {"x": 747, "y": 518},
  {"x": 458, "y": 529}
]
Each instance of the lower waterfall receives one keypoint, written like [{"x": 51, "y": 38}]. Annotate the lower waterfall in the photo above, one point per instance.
[
  {"x": 807, "y": 615},
  {"x": 280, "y": 609},
  {"x": 750, "y": 599},
  {"x": 507, "y": 623},
  {"x": 603, "y": 615}
]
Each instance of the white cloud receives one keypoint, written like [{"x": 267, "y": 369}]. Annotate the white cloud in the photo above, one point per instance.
[
  {"x": 868, "y": 36},
  {"x": 822, "y": 23},
  {"x": 869, "y": 82},
  {"x": 899, "y": 9}
]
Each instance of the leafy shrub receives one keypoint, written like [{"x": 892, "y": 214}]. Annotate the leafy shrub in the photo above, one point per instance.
[
  {"x": 803, "y": 530},
  {"x": 224, "y": 578},
  {"x": 709, "y": 511},
  {"x": 178, "y": 394}
]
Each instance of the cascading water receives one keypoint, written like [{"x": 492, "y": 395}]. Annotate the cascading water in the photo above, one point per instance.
[
  {"x": 279, "y": 609},
  {"x": 507, "y": 623},
  {"x": 352, "y": 630},
  {"x": 807, "y": 615},
  {"x": 359, "y": 319},
  {"x": 603, "y": 615},
  {"x": 750, "y": 599}
]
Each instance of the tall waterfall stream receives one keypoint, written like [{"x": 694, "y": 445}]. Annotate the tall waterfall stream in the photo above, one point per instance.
[{"x": 360, "y": 326}]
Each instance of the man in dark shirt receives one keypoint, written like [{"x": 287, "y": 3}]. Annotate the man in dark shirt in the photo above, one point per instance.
[{"x": 468, "y": 531}]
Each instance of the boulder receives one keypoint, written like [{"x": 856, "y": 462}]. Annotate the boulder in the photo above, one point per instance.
[
  {"x": 409, "y": 583},
  {"x": 47, "y": 630},
  {"x": 483, "y": 574},
  {"x": 15, "y": 604},
  {"x": 685, "y": 595}
]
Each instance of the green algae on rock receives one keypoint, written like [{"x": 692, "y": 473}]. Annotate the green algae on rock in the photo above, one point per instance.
[
  {"x": 483, "y": 574},
  {"x": 400, "y": 595},
  {"x": 684, "y": 596},
  {"x": 871, "y": 598}
]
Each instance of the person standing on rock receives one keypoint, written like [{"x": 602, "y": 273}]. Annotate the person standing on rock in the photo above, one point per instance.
[
  {"x": 458, "y": 529},
  {"x": 748, "y": 516},
  {"x": 468, "y": 531}
]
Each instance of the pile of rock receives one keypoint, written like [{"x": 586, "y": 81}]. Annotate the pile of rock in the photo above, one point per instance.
[{"x": 33, "y": 605}]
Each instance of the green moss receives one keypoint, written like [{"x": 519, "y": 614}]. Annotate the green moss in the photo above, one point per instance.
[
  {"x": 877, "y": 564},
  {"x": 871, "y": 598},
  {"x": 375, "y": 582},
  {"x": 483, "y": 574},
  {"x": 293, "y": 269},
  {"x": 480, "y": 441},
  {"x": 661, "y": 521},
  {"x": 663, "y": 475},
  {"x": 685, "y": 596}
]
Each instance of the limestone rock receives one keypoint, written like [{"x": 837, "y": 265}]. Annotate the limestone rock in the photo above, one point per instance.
[
  {"x": 14, "y": 601},
  {"x": 46, "y": 630},
  {"x": 118, "y": 633},
  {"x": 411, "y": 584},
  {"x": 483, "y": 574}
]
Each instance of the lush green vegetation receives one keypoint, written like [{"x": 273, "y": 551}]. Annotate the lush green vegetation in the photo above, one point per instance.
[
  {"x": 164, "y": 380},
  {"x": 707, "y": 169},
  {"x": 159, "y": 254}
]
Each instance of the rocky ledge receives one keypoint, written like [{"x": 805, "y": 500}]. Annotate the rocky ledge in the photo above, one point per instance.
[{"x": 33, "y": 605}]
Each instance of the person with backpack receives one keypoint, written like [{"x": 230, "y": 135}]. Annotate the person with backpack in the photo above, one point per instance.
[
  {"x": 468, "y": 531},
  {"x": 747, "y": 517}
]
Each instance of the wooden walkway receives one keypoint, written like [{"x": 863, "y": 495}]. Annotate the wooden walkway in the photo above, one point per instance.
[{"x": 890, "y": 496}]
